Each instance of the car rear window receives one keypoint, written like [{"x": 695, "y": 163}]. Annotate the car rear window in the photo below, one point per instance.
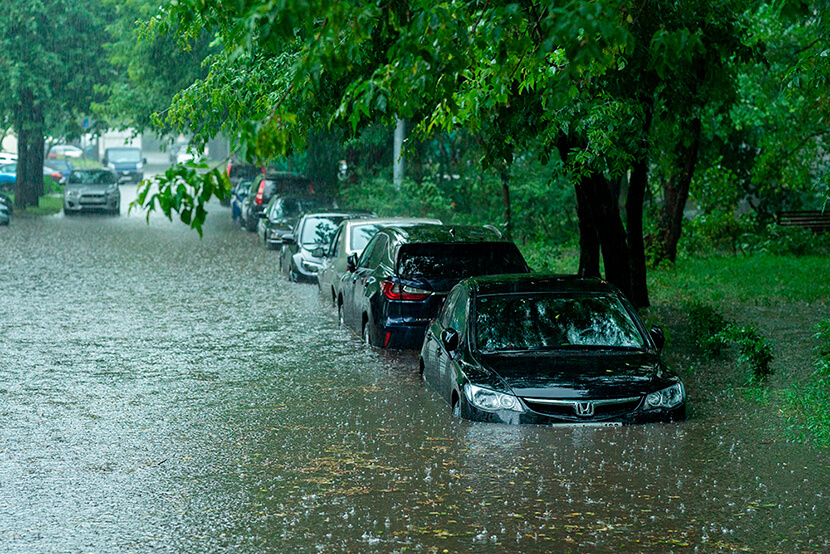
[{"x": 459, "y": 259}]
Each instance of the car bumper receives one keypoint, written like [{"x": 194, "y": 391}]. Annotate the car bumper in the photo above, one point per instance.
[
  {"x": 403, "y": 335},
  {"x": 468, "y": 411},
  {"x": 91, "y": 204}
]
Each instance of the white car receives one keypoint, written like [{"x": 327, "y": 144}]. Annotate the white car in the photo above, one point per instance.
[
  {"x": 65, "y": 151},
  {"x": 7, "y": 157}
]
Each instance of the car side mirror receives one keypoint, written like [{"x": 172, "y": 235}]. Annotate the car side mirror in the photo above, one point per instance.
[
  {"x": 262, "y": 215},
  {"x": 351, "y": 262},
  {"x": 449, "y": 338},
  {"x": 288, "y": 239},
  {"x": 658, "y": 337},
  {"x": 319, "y": 252},
  {"x": 104, "y": 161}
]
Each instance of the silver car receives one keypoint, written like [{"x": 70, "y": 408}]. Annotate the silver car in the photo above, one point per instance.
[{"x": 92, "y": 190}]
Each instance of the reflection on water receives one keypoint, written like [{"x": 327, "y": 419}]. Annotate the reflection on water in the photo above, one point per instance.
[{"x": 162, "y": 393}]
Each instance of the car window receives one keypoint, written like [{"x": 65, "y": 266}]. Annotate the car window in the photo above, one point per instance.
[
  {"x": 459, "y": 260},
  {"x": 548, "y": 321},
  {"x": 375, "y": 251},
  {"x": 362, "y": 234},
  {"x": 319, "y": 230},
  {"x": 336, "y": 246}
]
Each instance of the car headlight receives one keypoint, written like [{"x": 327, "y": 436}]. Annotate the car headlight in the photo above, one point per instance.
[
  {"x": 310, "y": 267},
  {"x": 668, "y": 398},
  {"x": 490, "y": 400},
  {"x": 73, "y": 193}
]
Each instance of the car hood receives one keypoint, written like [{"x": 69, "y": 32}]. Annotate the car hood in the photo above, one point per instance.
[{"x": 570, "y": 375}]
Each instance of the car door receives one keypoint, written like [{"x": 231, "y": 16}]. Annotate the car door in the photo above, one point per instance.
[
  {"x": 448, "y": 362},
  {"x": 433, "y": 352},
  {"x": 354, "y": 281}
]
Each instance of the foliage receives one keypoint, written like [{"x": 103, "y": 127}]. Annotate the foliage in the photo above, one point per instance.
[
  {"x": 711, "y": 333},
  {"x": 150, "y": 68},
  {"x": 754, "y": 351},
  {"x": 53, "y": 59},
  {"x": 807, "y": 405},
  {"x": 184, "y": 189},
  {"x": 707, "y": 324},
  {"x": 775, "y": 239}
]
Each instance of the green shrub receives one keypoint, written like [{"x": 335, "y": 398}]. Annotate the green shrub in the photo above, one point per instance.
[
  {"x": 707, "y": 324},
  {"x": 807, "y": 407},
  {"x": 754, "y": 351},
  {"x": 711, "y": 333}
]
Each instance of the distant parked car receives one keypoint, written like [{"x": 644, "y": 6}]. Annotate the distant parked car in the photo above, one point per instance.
[
  {"x": 7, "y": 157},
  {"x": 126, "y": 161},
  {"x": 60, "y": 151},
  {"x": 302, "y": 250},
  {"x": 5, "y": 214},
  {"x": 63, "y": 166},
  {"x": 548, "y": 349},
  {"x": 282, "y": 214},
  {"x": 6, "y": 201},
  {"x": 238, "y": 193},
  {"x": 267, "y": 185},
  {"x": 351, "y": 237},
  {"x": 403, "y": 275},
  {"x": 8, "y": 176},
  {"x": 92, "y": 190}
]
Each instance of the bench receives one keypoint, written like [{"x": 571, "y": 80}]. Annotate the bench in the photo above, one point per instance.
[{"x": 817, "y": 221}]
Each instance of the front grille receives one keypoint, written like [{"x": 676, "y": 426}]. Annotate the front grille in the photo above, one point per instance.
[
  {"x": 583, "y": 410},
  {"x": 93, "y": 199}
]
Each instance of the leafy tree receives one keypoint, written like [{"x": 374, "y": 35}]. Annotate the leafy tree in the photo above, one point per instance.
[
  {"x": 612, "y": 95},
  {"x": 53, "y": 58}
]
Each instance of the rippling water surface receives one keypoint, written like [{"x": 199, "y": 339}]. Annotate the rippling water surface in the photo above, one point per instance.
[{"x": 159, "y": 392}]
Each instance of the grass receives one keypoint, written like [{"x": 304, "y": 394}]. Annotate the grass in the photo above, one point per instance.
[
  {"x": 47, "y": 205},
  {"x": 756, "y": 279}
]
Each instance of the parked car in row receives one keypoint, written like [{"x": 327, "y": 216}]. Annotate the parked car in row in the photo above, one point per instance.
[
  {"x": 548, "y": 350},
  {"x": 239, "y": 192},
  {"x": 301, "y": 255},
  {"x": 8, "y": 176},
  {"x": 92, "y": 190},
  {"x": 266, "y": 186},
  {"x": 5, "y": 212},
  {"x": 351, "y": 237},
  {"x": 282, "y": 214},
  {"x": 400, "y": 280},
  {"x": 127, "y": 162}
]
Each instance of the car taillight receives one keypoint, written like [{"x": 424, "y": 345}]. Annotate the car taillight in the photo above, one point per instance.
[
  {"x": 260, "y": 191},
  {"x": 397, "y": 291}
]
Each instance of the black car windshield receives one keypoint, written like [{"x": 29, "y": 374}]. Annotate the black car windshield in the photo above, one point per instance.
[
  {"x": 319, "y": 230},
  {"x": 124, "y": 155},
  {"x": 458, "y": 260},
  {"x": 92, "y": 177},
  {"x": 552, "y": 321}
]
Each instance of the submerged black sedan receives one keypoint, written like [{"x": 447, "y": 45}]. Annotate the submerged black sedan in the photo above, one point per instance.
[{"x": 548, "y": 349}]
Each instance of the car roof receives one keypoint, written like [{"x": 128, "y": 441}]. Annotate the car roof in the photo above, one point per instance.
[
  {"x": 393, "y": 221},
  {"x": 443, "y": 233},
  {"x": 538, "y": 282}
]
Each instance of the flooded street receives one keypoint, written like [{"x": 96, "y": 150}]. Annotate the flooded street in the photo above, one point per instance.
[{"x": 163, "y": 393}]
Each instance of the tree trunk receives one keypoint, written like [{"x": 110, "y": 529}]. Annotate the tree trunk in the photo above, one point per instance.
[
  {"x": 588, "y": 237},
  {"x": 29, "y": 125},
  {"x": 505, "y": 194},
  {"x": 634, "y": 227},
  {"x": 676, "y": 194}
]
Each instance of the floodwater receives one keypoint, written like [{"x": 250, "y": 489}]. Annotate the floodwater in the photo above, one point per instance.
[{"x": 162, "y": 393}]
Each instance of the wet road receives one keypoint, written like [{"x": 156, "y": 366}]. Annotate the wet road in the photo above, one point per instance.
[{"x": 168, "y": 394}]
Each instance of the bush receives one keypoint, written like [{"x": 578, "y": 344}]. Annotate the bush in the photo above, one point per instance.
[
  {"x": 707, "y": 324},
  {"x": 807, "y": 407},
  {"x": 711, "y": 333}
]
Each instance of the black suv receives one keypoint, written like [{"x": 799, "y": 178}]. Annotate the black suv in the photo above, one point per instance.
[
  {"x": 267, "y": 185},
  {"x": 403, "y": 275}
]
